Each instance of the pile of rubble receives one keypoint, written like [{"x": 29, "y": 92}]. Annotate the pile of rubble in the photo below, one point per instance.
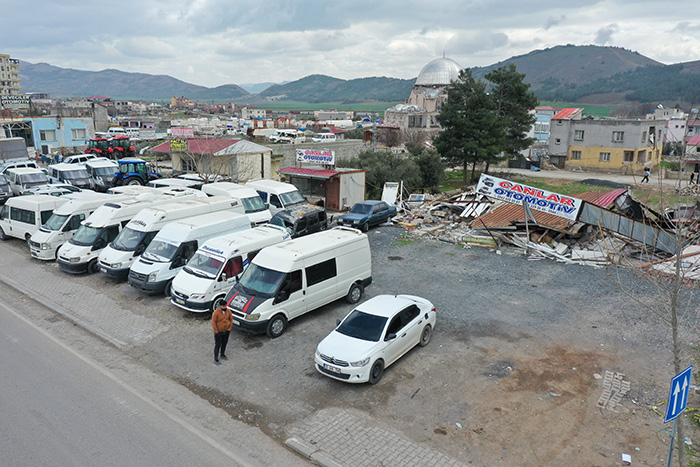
[{"x": 474, "y": 220}]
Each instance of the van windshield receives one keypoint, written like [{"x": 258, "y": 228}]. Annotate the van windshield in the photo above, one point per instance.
[
  {"x": 75, "y": 174},
  {"x": 105, "y": 171},
  {"x": 253, "y": 204},
  {"x": 202, "y": 265},
  {"x": 292, "y": 197},
  {"x": 128, "y": 239},
  {"x": 85, "y": 236},
  {"x": 261, "y": 281},
  {"x": 34, "y": 179},
  {"x": 160, "y": 251},
  {"x": 55, "y": 222}
]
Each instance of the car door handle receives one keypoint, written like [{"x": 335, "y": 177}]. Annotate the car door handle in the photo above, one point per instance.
[{"x": 403, "y": 335}]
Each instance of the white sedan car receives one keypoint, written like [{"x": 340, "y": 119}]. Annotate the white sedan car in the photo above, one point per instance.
[{"x": 373, "y": 336}]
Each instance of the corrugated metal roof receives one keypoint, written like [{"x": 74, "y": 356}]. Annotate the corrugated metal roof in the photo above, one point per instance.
[
  {"x": 568, "y": 114},
  {"x": 694, "y": 140},
  {"x": 313, "y": 173},
  {"x": 602, "y": 198}
]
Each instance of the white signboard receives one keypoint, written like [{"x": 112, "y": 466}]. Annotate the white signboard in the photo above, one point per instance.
[
  {"x": 316, "y": 156},
  {"x": 14, "y": 102},
  {"x": 182, "y": 132},
  {"x": 536, "y": 198},
  {"x": 147, "y": 133}
]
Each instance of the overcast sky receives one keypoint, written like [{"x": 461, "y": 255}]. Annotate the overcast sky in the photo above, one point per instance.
[{"x": 215, "y": 42}]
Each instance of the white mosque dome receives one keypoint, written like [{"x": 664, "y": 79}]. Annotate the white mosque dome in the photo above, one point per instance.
[{"x": 440, "y": 72}]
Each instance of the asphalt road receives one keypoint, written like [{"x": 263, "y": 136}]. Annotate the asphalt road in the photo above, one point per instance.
[{"x": 60, "y": 407}]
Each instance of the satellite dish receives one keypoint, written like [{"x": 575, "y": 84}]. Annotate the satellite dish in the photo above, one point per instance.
[{"x": 693, "y": 111}]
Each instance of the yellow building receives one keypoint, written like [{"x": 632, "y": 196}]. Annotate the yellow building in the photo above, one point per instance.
[
  {"x": 9, "y": 76},
  {"x": 625, "y": 146}
]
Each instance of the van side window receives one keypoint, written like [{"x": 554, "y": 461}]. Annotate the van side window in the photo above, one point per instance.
[
  {"x": 5, "y": 212},
  {"x": 22, "y": 215},
  {"x": 251, "y": 255},
  {"x": 74, "y": 222},
  {"x": 45, "y": 215},
  {"x": 187, "y": 249},
  {"x": 233, "y": 266},
  {"x": 292, "y": 283},
  {"x": 109, "y": 233},
  {"x": 275, "y": 201},
  {"x": 320, "y": 272}
]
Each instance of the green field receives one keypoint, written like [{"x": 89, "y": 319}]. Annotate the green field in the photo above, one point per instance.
[{"x": 378, "y": 107}]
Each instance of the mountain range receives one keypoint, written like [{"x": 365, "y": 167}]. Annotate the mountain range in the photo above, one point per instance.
[{"x": 567, "y": 73}]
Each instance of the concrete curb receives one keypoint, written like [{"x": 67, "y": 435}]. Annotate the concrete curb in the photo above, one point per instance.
[
  {"x": 62, "y": 311},
  {"x": 312, "y": 453}
]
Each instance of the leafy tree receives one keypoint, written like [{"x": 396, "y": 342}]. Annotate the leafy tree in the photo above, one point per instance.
[
  {"x": 384, "y": 166},
  {"x": 471, "y": 129},
  {"x": 432, "y": 169},
  {"x": 513, "y": 105},
  {"x": 355, "y": 133}
]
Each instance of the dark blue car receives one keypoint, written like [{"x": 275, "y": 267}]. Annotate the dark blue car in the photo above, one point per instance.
[{"x": 365, "y": 214}]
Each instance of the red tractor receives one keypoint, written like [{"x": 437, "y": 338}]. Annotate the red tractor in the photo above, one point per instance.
[{"x": 117, "y": 147}]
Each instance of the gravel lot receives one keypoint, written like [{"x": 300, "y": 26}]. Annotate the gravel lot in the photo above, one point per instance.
[{"x": 508, "y": 379}]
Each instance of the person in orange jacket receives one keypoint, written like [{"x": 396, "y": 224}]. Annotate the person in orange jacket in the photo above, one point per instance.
[{"x": 221, "y": 322}]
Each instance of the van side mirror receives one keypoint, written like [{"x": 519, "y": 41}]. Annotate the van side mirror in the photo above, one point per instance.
[{"x": 223, "y": 277}]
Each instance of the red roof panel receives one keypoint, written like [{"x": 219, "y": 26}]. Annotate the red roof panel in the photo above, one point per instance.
[
  {"x": 567, "y": 114},
  {"x": 314, "y": 173}
]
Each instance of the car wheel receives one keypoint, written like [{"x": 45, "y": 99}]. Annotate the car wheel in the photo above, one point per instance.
[
  {"x": 276, "y": 326},
  {"x": 217, "y": 303},
  {"x": 168, "y": 288},
  {"x": 3, "y": 235},
  {"x": 376, "y": 373},
  {"x": 425, "y": 335},
  {"x": 355, "y": 293},
  {"x": 365, "y": 226},
  {"x": 92, "y": 267}
]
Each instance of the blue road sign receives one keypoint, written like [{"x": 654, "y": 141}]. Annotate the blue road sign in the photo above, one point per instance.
[{"x": 678, "y": 397}]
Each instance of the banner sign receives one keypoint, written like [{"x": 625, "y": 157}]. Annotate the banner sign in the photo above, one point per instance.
[
  {"x": 182, "y": 132},
  {"x": 536, "y": 198},
  {"x": 146, "y": 133},
  {"x": 316, "y": 156},
  {"x": 14, "y": 102},
  {"x": 179, "y": 145}
]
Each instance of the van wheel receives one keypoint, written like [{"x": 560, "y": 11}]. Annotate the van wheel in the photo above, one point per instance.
[
  {"x": 425, "y": 335},
  {"x": 217, "y": 303},
  {"x": 376, "y": 373},
  {"x": 276, "y": 326},
  {"x": 355, "y": 293},
  {"x": 168, "y": 288},
  {"x": 92, "y": 267},
  {"x": 3, "y": 235}
]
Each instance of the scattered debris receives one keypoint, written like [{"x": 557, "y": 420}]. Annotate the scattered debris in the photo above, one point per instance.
[{"x": 614, "y": 387}]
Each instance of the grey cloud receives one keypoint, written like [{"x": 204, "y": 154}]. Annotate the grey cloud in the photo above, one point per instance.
[
  {"x": 554, "y": 21},
  {"x": 605, "y": 33}
]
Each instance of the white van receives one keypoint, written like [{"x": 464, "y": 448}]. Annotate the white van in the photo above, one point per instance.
[
  {"x": 20, "y": 162},
  {"x": 80, "y": 253},
  {"x": 175, "y": 244},
  {"x": 72, "y": 174},
  {"x": 120, "y": 254},
  {"x": 292, "y": 136},
  {"x": 323, "y": 138},
  {"x": 22, "y": 178},
  {"x": 82, "y": 159},
  {"x": 253, "y": 204},
  {"x": 287, "y": 280},
  {"x": 117, "y": 131},
  {"x": 101, "y": 172},
  {"x": 63, "y": 223},
  {"x": 277, "y": 195},
  {"x": 23, "y": 215},
  {"x": 202, "y": 284}
]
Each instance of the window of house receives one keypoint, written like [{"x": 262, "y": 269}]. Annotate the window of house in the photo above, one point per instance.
[
  {"x": 604, "y": 157},
  {"x": 618, "y": 136},
  {"x": 79, "y": 133},
  {"x": 628, "y": 156},
  {"x": 642, "y": 157},
  {"x": 578, "y": 135},
  {"x": 576, "y": 155},
  {"x": 47, "y": 135},
  {"x": 188, "y": 165},
  {"x": 644, "y": 137}
]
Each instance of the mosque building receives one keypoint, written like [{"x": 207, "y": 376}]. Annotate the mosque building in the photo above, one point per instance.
[{"x": 427, "y": 96}]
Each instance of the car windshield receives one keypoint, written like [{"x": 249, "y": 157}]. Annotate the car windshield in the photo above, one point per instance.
[
  {"x": 105, "y": 171},
  {"x": 361, "y": 325},
  {"x": 292, "y": 197},
  {"x": 160, "y": 251},
  {"x": 361, "y": 208},
  {"x": 253, "y": 204},
  {"x": 261, "y": 281},
  {"x": 55, "y": 222},
  {"x": 203, "y": 265},
  {"x": 85, "y": 236},
  {"x": 75, "y": 174},
  {"x": 128, "y": 239},
  {"x": 34, "y": 179}
]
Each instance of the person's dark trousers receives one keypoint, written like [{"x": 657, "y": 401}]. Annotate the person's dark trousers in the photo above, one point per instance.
[{"x": 220, "y": 341}]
